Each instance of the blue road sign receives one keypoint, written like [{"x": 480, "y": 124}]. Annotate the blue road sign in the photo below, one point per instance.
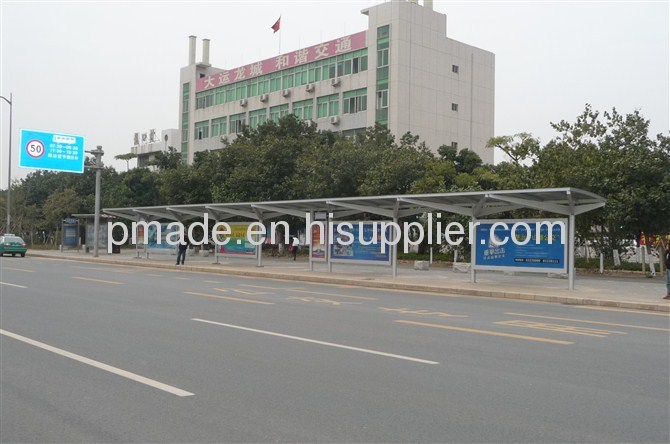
[{"x": 51, "y": 151}]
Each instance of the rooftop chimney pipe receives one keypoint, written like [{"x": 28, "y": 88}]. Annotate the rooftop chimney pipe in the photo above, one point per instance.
[
  {"x": 205, "y": 51},
  {"x": 191, "y": 49}
]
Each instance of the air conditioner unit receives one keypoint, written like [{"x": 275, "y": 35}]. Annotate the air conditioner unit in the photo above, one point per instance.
[
  {"x": 335, "y": 120},
  {"x": 335, "y": 81},
  {"x": 286, "y": 92},
  {"x": 243, "y": 102},
  {"x": 309, "y": 87},
  {"x": 264, "y": 97}
]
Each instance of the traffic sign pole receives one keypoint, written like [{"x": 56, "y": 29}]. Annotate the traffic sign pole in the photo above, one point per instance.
[{"x": 97, "y": 152}]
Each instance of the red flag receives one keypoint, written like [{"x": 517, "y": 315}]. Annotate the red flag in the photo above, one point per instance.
[{"x": 275, "y": 27}]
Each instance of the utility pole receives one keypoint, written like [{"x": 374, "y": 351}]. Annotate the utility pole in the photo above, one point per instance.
[
  {"x": 97, "y": 152},
  {"x": 9, "y": 163}
]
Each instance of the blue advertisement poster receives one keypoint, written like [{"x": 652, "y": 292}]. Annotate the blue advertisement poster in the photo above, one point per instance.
[
  {"x": 536, "y": 255},
  {"x": 51, "y": 151},
  {"x": 356, "y": 251},
  {"x": 70, "y": 235},
  {"x": 152, "y": 240}
]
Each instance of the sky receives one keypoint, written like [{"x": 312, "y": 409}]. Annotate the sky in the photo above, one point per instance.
[{"x": 108, "y": 69}]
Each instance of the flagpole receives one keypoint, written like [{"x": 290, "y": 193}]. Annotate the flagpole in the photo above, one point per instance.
[{"x": 279, "y": 41}]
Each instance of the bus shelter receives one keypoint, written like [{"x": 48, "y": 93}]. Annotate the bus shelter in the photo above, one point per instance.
[{"x": 478, "y": 206}]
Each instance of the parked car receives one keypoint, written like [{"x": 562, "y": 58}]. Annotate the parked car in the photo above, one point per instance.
[{"x": 12, "y": 244}]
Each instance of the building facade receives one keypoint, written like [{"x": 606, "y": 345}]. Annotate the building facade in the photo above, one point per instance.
[
  {"x": 146, "y": 145},
  {"x": 402, "y": 73}
]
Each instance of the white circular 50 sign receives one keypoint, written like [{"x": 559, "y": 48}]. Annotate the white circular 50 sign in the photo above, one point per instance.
[{"x": 35, "y": 149}]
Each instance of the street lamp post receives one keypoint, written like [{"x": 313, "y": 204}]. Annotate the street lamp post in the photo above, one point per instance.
[{"x": 9, "y": 163}]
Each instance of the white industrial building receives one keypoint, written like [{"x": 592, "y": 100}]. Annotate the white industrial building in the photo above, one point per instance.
[{"x": 403, "y": 72}]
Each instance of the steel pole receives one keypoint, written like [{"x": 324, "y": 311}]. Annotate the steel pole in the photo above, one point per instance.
[
  {"x": 9, "y": 165},
  {"x": 98, "y": 152}
]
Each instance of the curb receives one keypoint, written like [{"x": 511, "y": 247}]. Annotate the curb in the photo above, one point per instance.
[{"x": 362, "y": 282}]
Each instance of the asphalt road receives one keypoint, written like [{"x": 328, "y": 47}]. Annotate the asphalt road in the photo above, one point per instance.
[{"x": 103, "y": 353}]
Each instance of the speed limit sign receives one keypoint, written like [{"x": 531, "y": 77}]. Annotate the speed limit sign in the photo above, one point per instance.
[
  {"x": 51, "y": 151},
  {"x": 35, "y": 149}
]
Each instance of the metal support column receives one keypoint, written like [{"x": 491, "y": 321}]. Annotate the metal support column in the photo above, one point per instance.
[
  {"x": 473, "y": 251},
  {"x": 571, "y": 252},
  {"x": 394, "y": 252}
]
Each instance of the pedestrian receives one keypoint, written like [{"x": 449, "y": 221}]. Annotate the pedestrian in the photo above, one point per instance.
[
  {"x": 666, "y": 257},
  {"x": 294, "y": 247},
  {"x": 181, "y": 251}
]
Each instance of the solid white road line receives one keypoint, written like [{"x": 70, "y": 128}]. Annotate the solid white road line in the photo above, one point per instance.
[
  {"x": 100, "y": 365},
  {"x": 312, "y": 341},
  {"x": 12, "y": 285}
]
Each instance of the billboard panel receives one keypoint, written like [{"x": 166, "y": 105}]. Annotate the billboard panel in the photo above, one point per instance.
[
  {"x": 534, "y": 256},
  {"x": 356, "y": 252},
  {"x": 51, "y": 151},
  {"x": 238, "y": 245}
]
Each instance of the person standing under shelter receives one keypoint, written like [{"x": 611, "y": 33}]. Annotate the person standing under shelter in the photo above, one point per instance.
[
  {"x": 294, "y": 247},
  {"x": 181, "y": 251}
]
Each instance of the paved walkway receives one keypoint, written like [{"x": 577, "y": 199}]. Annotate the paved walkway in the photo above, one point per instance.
[{"x": 612, "y": 291}]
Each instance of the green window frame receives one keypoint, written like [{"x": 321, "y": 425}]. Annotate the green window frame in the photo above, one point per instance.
[
  {"x": 258, "y": 117},
  {"x": 202, "y": 130},
  {"x": 355, "y": 101},
  {"x": 219, "y": 126},
  {"x": 237, "y": 121},
  {"x": 277, "y": 112},
  {"x": 304, "y": 109}
]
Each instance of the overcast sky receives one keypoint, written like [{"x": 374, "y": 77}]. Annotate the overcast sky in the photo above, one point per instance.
[{"x": 106, "y": 70}]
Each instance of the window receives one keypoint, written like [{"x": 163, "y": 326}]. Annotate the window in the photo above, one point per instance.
[
  {"x": 237, "y": 121},
  {"x": 328, "y": 105},
  {"x": 258, "y": 117},
  {"x": 230, "y": 94},
  {"x": 382, "y": 99},
  {"x": 304, "y": 110},
  {"x": 382, "y": 32},
  {"x": 454, "y": 144},
  {"x": 382, "y": 57},
  {"x": 219, "y": 126},
  {"x": 241, "y": 91},
  {"x": 275, "y": 81},
  {"x": 355, "y": 101},
  {"x": 277, "y": 112},
  {"x": 252, "y": 88},
  {"x": 202, "y": 130},
  {"x": 454, "y": 69},
  {"x": 454, "y": 107},
  {"x": 287, "y": 78}
]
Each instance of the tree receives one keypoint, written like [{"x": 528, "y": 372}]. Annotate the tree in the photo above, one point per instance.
[{"x": 127, "y": 157}]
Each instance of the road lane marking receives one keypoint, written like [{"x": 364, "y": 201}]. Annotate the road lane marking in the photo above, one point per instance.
[
  {"x": 102, "y": 366},
  {"x": 259, "y": 286},
  {"x": 485, "y": 332},
  {"x": 230, "y": 298},
  {"x": 182, "y": 278},
  {"x": 108, "y": 270},
  {"x": 590, "y": 322},
  {"x": 441, "y": 314},
  {"x": 154, "y": 275},
  {"x": 249, "y": 293},
  {"x": 620, "y": 310},
  {"x": 213, "y": 282},
  {"x": 313, "y": 341},
  {"x": 97, "y": 280},
  {"x": 12, "y": 285},
  {"x": 18, "y": 269},
  {"x": 561, "y": 328},
  {"x": 331, "y": 294},
  {"x": 324, "y": 301}
]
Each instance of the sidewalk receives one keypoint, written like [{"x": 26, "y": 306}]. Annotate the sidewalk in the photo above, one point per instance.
[{"x": 638, "y": 293}]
